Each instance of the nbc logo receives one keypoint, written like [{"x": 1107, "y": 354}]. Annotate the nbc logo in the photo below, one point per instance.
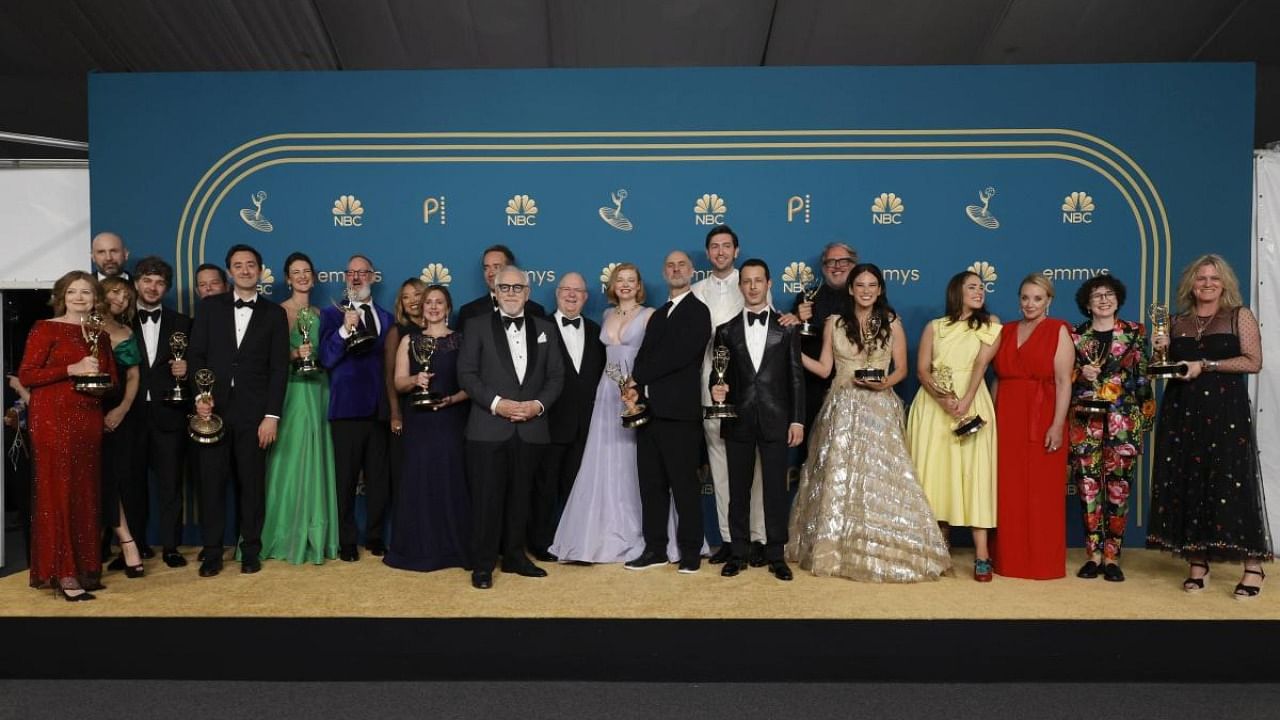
[
  {"x": 709, "y": 210},
  {"x": 1077, "y": 209},
  {"x": 436, "y": 274},
  {"x": 887, "y": 210},
  {"x": 265, "y": 280},
  {"x": 797, "y": 277},
  {"x": 987, "y": 272},
  {"x": 433, "y": 207},
  {"x": 522, "y": 211},
  {"x": 348, "y": 211},
  {"x": 606, "y": 272},
  {"x": 799, "y": 205}
]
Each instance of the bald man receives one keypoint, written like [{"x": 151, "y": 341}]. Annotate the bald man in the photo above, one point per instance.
[{"x": 109, "y": 255}]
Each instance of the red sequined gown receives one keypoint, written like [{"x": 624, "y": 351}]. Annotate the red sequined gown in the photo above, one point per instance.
[{"x": 66, "y": 439}]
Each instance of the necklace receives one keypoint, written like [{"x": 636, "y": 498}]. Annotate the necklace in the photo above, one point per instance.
[{"x": 1202, "y": 323}]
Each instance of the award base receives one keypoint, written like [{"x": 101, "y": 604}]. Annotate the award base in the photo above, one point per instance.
[
  {"x": 305, "y": 366},
  {"x": 967, "y": 426},
  {"x": 869, "y": 374},
  {"x": 806, "y": 330},
  {"x": 360, "y": 343},
  {"x": 176, "y": 395},
  {"x": 718, "y": 411},
  {"x": 205, "y": 431},
  {"x": 636, "y": 418},
  {"x": 1092, "y": 406},
  {"x": 96, "y": 384},
  {"x": 425, "y": 400},
  {"x": 1166, "y": 369}
]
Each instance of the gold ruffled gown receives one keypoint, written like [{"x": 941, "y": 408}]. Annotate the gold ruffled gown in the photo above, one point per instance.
[{"x": 860, "y": 512}]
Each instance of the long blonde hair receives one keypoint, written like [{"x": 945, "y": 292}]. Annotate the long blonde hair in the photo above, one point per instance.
[{"x": 1230, "y": 298}]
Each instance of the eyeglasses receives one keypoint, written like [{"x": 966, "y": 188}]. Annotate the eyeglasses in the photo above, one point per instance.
[
  {"x": 359, "y": 273},
  {"x": 1108, "y": 295},
  {"x": 837, "y": 263},
  {"x": 511, "y": 288}
]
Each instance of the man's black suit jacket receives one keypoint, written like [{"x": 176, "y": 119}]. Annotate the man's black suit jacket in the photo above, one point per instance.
[
  {"x": 485, "y": 371},
  {"x": 249, "y": 380},
  {"x": 156, "y": 377},
  {"x": 767, "y": 399},
  {"x": 669, "y": 363},
  {"x": 484, "y": 304},
  {"x": 572, "y": 412}
]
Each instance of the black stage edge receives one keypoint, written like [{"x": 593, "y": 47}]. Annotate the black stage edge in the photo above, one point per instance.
[{"x": 638, "y": 650}]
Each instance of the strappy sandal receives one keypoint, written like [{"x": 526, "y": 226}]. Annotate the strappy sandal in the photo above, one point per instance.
[
  {"x": 1249, "y": 592},
  {"x": 1195, "y": 585}
]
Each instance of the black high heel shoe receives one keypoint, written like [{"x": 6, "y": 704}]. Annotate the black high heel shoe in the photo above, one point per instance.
[
  {"x": 84, "y": 594},
  {"x": 1195, "y": 585},
  {"x": 132, "y": 571},
  {"x": 1249, "y": 592}
]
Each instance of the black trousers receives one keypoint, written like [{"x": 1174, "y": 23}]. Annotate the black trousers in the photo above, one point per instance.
[
  {"x": 741, "y": 457},
  {"x": 361, "y": 445},
  {"x": 120, "y": 481},
  {"x": 667, "y": 460},
  {"x": 500, "y": 475},
  {"x": 236, "y": 456},
  {"x": 552, "y": 483},
  {"x": 158, "y": 454}
]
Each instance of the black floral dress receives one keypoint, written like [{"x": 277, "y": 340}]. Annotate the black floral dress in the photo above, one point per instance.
[{"x": 1206, "y": 492}]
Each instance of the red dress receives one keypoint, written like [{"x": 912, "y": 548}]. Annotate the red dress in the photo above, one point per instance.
[
  {"x": 66, "y": 440},
  {"x": 1031, "y": 516}
]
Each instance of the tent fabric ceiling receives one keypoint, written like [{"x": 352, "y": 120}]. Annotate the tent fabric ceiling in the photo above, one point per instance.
[{"x": 47, "y": 47}]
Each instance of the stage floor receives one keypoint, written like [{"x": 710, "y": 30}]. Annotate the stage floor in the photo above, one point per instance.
[{"x": 369, "y": 589}]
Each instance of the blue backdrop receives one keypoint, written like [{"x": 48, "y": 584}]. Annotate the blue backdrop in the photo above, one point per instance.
[{"x": 1068, "y": 171}]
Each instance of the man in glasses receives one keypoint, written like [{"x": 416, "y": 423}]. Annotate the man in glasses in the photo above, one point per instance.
[
  {"x": 513, "y": 371},
  {"x": 492, "y": 261},
  {"x": 837, "y": 260},
  {"x": 358, "y": 413}
]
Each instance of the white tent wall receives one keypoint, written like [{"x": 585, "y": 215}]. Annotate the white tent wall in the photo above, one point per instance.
[{"x": 1266, "y": 304}]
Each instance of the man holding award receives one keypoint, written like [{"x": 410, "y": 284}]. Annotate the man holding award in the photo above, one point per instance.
[
  {"x": 160, "y": 410},
  {"x": 764, "y": 383},
  {"x": 352, "y": 337},
  {"x": 240, "y": 340}
]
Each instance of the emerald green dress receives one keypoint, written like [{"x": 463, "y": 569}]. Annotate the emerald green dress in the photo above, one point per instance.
[{"x": 302, "y": 508}]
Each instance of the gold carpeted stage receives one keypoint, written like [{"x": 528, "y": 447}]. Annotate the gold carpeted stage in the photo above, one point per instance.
[{"x": 369, "y": 589}]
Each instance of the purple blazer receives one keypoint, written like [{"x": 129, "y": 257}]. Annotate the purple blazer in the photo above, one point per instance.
[{"x": 356, "y": 388}]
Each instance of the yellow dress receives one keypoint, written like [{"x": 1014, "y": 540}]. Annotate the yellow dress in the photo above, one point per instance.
[{"x": 958, "y": 474}]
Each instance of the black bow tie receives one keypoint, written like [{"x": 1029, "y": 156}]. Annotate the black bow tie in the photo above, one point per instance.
[
  {"x": 251, "y": 304},
  {"x": 759, "y": 317},
  {"x": 149, "y": 316},
  {"x": 507, "y": 322},
  {"x": 576, "y": 322}
]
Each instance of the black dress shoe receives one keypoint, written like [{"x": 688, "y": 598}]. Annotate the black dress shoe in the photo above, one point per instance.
[
  {"x": 117, "y": 564},
  {"x": 1088, "y": 571},
  {"x": 780, "y": 569},
  {"x": 648, "y": 559},
  {"x": 376, "y": 548},
  {"x": 544, "y": 556},
  {"x": 145, "y": 551},
  {"x": 250, "y": 564},
  {"x": 691, "y": 565},
  {"x": 211, "y": 565},
  {"x": 722, "y": 554},
  {"x": 349, "y": 553},
  {"x": 1111, "y": 572},
  {"x": 173, "y": 558},
  {"x": 524, "y": 569},
  {"x": 481, "y": 580},
  {"x": 733, "y": 566},
  {"x": 756, "y": 555}
]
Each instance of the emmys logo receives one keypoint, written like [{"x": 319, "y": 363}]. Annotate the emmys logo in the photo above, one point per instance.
[
  {"x": 522, "y": 211},
  {"x": 797, "y": 277},
  {"x": 254, "y": 218},
  {"x": 797, "y": 204},
  {"x": 981, "y": 214},
  {"x": 1077, "y": 208},
  {"x": 348, "y": 212},
  {"x": 606, "y": 272},
  {"x": 613, "y": 215},
  {"x": 987, "y": 272},
  {"x": 265, "y": 280},
  {"x": 539, "y": 277},
  {"x": 436, "y": 274},
  {"x": 901, "y": 276},
  {"x": 709, "y": 210},
  {"x": 887, "y": 210},
  {"x": 1076, "y": 273},
  {"x": 433, "y": 207}
]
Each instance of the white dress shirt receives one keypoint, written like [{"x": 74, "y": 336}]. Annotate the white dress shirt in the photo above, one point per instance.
[
  {"x": 150, "y": 339},
  {"x": 518, "y": 346},
  {"x": 757, "y": 333},
  {"x": 574, "y": 338},
  {"x": 243, "y": 315}
]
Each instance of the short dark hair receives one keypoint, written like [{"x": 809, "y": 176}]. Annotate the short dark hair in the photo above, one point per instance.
[
  {"x": 154, "y": 265},
  {"x": 241, "y": 247},
  {"x": 210, "y": 266},
  {"x": 300, "y": 256},
  {"x": 506, "y": 252},
  {"x": 755, "y": 262},
  {"x": 1092, "y": 284},
  {"x": 721, "y": 230}
]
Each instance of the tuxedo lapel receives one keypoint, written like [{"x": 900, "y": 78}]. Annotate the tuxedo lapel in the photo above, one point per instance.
[
  {"x": 531, "y": 337},
  {"x": 502, "y": 346},
  {"x": 773, "y": 336}
]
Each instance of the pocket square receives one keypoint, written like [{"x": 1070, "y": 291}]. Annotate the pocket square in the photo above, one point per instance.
[{"x": 542, "y": 338}]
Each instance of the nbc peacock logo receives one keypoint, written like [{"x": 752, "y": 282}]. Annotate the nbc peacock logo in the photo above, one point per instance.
[
  {"x": 265, "y": 280},
  {"x": 1077, "y": 209},
  {"x": 709, "y": 210},
  {"x": 606, "y": 272},
  {"x": 436, "y": 274},
  {"x": 797, "y": 277},
  {"x": 522, "y": 211},
  {"x": 348, "y": 212},
  {"x": 887, "y": 209},
  {"x": 986, "y": 272}
]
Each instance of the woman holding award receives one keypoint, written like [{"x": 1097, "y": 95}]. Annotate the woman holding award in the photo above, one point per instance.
[
  {"x": 408, "y": 314},
  {"x": 301, "y": 523},
  {"x": 1206, "y": 490},
  {"x": 1112, "y": 408},
  {"x": 432, "y": 525},
  {"x": 949, "y": 428},
  {"x": 859, "y": 512},
  {"x": 66, "y": 437},
  {"x": 1033, "y": 371},
  {"x": 124, "y": 494}
]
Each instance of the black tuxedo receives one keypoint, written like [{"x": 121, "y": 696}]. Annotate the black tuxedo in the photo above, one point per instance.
[
  {"x": 570, "y": 418},
  {"x": 668, "y": 368},
  {"x": 249, "y": 383},
  {"x": 159, "y": 440},
  {"x": 485, "y": 303},
  {"x": 768, "y": 400},
  {"x": 502, "y": 455}
]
